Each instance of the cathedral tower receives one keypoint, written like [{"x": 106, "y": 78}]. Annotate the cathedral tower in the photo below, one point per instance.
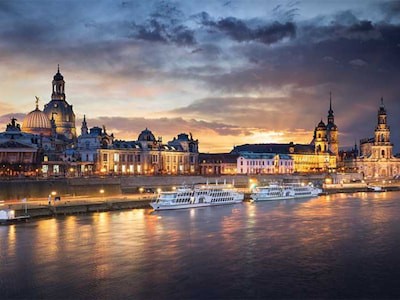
[
  {"x": 382, "y": 148},
  {"x": 59, "y": 109},
  {"x": 332, "y": 130}
]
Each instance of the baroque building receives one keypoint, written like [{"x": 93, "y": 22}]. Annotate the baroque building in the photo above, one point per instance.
[
  {"x": 101, "y": 154},
  {"x": 326, "y": 136},
  {"x": 376, "y": 159}
]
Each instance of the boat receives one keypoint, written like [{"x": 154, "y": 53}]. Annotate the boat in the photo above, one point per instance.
[
  {"x": 284, "y": 192},
  {"x": 197, "y": 196},
  {"x": 305, "y": 191},
  {"x": 7, "y": 216},
  {"x": 272, "y": 192},
  {"x": 376, "y": 188}
]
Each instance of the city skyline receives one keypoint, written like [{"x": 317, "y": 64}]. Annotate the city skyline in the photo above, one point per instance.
[{"x": 230, "y": 72}]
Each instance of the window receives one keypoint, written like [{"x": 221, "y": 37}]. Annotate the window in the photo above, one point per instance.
[{"x": 105, "y": 157}]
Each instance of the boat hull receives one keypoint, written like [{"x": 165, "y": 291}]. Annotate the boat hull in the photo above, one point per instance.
[{"x": 158, "y": 206}]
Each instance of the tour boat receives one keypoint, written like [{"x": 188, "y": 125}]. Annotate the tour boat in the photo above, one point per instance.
[
  {"x": 197, "y": 196},
  {"x": 272, "y": 192},
  {"x": 305, "y": 191},
  {"x": 284, "y": 192},
  {"x": 7, "y": 216},
  {"x": 376, "y": 188}
]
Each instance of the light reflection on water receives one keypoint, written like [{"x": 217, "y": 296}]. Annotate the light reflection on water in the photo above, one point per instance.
[{"x": 335, "y": 246}]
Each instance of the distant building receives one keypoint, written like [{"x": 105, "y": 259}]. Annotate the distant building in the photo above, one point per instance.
[
  {"x": 218, "y": 163},
  {"x": 101, "y": 154},
  {"x": 304, "y": 157},
  {"x": 261, "y": 163},
  {"x": 376, "y": 159}
]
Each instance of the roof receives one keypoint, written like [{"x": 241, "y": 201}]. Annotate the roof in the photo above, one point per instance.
[
  {"x": 218, "y": 158},
  {"x": 250, "y": 155},
  {"x": 275, "y": 148}
]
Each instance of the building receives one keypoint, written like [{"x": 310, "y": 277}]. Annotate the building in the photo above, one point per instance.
[
  {"x": 261, "y": 163},
  {"x": 100, "y": 153},
  {"x": 325, "y": 139},
  {"x": 304, "y": 157},
  {"x": 19, "y": 151},
  {"x": 376, "y": 159},
  {"x": 218, "y": 163}
]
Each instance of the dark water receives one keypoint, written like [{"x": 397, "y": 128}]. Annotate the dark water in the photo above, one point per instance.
[{"x": 341, "y": 246}]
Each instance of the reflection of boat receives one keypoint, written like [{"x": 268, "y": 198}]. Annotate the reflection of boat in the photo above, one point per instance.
[
  {"x": 375, "y": 188},
  {"x": 198, "y": 196},
  {"x": 282, "y": 192},
  {"x": 7, "y": 216},
  {"x": 272, "y": 192}
]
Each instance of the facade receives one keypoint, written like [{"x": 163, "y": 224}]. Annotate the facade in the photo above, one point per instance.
[
  {"x": 305, "y": 158},
  {"x": 376, "y": 159},
  {"x": 101, "y": 154},
  {"x": 218, "y": 163},
  {"x": 19, "y": 151},
  {"x": 259, "y": 163}
]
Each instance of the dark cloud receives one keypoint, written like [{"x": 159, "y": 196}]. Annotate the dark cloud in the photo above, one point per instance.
[{"x": 240, "y": 31}]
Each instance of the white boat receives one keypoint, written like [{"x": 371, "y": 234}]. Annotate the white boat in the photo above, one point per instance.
[
  {"x": 272, "y": 192},
  {"x": 284, "y": 192},
  {"x": 7, "y": 216},
  {"x": 197, "y": 196},
  {"x": 305, "y": 191},
  {"x": 376, "y": 188}
]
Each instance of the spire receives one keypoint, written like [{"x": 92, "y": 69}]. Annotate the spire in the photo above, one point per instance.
[
  {"x": 58, "y": 68},
  {"x": 84, "y": 128},
  {"x": 382, "y": 105},
  {"x": 331, "y": 118}
]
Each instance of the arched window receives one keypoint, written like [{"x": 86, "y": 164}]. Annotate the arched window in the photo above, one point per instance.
[{"x": 383, "y": 153}]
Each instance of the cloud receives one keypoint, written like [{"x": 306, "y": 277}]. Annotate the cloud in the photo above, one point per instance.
[
  {"x": 240, "y": 31},
  {"x": 358, "y": 62}
]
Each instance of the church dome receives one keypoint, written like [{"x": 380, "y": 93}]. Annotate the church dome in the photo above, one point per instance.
[
  {"x": 146, "y": 135},
  {"x": 37, "y": 122}
]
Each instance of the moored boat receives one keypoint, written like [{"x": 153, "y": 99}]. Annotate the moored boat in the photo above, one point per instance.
[
  {"x": 271, "y": 192},
  {"x": 284, "y": 192},
  {"x": 197, "y": 196},
  {"x": 7, "y": 216}
]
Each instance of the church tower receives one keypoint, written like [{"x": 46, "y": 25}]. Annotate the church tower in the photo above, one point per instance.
[
  {"x": 332, "y": 130},
  {"x": 59, "y": 109},
  {"x": 320, "y": 140},
  {"x": 382, "y": 148}
]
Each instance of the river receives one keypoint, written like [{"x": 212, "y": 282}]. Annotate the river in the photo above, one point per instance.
[{"x": 336, "y": 246}]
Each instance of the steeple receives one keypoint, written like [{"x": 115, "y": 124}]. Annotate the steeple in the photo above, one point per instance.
[
  {"x": 331, "y": 117},
  {"x": 382, "y": 115},
  {"x": 84, "y": 128}
]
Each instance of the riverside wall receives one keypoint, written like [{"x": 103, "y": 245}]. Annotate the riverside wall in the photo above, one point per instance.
[{"x": 41, "y": 188}]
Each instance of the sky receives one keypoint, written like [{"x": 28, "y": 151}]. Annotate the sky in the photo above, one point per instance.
[{"x": 229, "y": 72}]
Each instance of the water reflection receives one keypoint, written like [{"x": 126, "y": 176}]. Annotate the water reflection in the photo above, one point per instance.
[{"x": 334, "y": 246}]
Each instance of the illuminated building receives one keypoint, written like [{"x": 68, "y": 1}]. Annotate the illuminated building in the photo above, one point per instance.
[
  {"x": 260, "y": 163},
  {"x": 376, "y": 159},
  {"x": 147, "y": 155}
]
